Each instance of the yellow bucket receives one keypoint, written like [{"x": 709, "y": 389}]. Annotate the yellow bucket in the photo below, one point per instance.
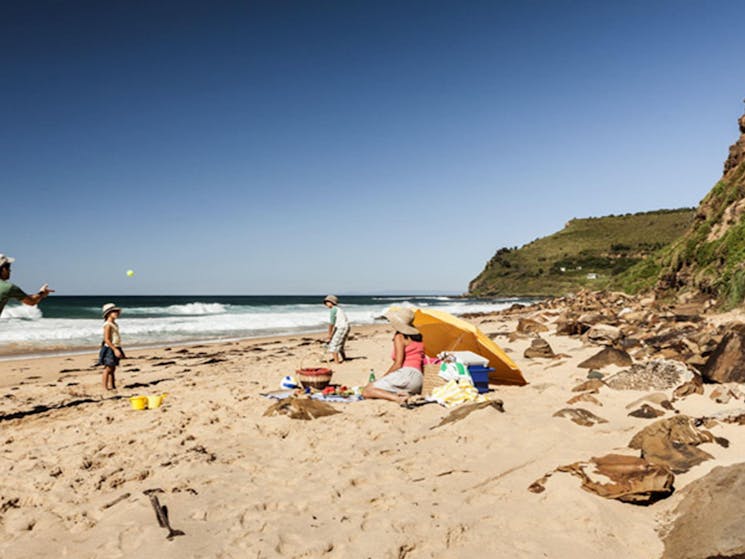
[
  {"x": 138, "y": 402},
  {"x": 155, "y": 401}
]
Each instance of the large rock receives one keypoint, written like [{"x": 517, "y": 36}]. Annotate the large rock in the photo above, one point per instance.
[
  {"x": 708, "y": 520},
  {"x": 589, "y": 319},
  {"x": 607, "y": 356},
  {"x": 530, "y": 326},
  {"x": 570, "y": 327},
  {"x": 603, "y": 334},
  {"x": 539, "y": 348},
  {"x": 673, "y": 442},
  {"x": 727, "y": 361}
]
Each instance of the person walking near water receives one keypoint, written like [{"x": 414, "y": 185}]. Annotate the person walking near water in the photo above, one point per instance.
[
  {"x": 111, "y": 347},
  {"x": 338, "y": 328},
  {"x": 10, "y": 291}
]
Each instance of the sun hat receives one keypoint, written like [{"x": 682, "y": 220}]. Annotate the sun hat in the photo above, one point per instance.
[
  {"x": 402, "y": 319},
  {"x": 333, "y": 299},
  {"x": 6, "y": 260},
  {"x": 109, "y": 307}
]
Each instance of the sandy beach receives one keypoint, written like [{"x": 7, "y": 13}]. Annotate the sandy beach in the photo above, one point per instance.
[{"x": 376, "y": 480}]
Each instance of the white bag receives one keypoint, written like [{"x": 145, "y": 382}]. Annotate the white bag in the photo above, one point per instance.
[{"x": 454, "y": 371}]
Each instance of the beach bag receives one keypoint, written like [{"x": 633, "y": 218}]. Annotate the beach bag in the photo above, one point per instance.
[{"x": 455, "y": 371}]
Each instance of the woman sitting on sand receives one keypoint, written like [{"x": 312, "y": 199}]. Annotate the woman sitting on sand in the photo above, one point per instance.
[{"x": 404, "y": 377}]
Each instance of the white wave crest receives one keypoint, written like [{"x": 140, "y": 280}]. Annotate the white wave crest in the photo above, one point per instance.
[
  {"x": 194, "y": 309},
  {"x": 187, "y": 309},
  {"x": 21, "y": 312}
]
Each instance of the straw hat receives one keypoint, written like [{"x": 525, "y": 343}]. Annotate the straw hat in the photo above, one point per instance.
[
  {"x": 402, "y": 320},
  {"x": 108, "y": 308},
  {"x": 333, "y": 299}
]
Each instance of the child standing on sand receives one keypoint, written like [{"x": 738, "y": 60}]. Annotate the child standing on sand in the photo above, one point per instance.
[
  {"x": 338, "y": 328},
  {"x": 111, "y": 350}
]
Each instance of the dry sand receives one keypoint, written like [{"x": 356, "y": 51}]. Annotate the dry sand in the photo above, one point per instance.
[{"x": 373, "y": 481}]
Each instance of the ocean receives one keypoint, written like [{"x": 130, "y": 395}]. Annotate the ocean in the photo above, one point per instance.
[{"x": 63, "y": 324}]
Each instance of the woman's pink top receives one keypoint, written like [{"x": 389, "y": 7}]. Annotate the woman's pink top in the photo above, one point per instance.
[{"x": 413, "y": 355}]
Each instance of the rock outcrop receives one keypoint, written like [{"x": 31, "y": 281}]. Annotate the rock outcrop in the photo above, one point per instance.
[
  {"x": 709, "y": 518},
  {"x": 727, "y": 362},
  {"x": 709, "y": 259}
]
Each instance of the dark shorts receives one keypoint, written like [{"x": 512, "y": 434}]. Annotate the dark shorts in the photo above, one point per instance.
[{"x": 107, "y": 358}]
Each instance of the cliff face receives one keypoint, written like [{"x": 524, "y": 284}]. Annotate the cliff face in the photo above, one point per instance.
[
  {"x": 710, "y": 257},
  {"x": 736, "y": 150}
]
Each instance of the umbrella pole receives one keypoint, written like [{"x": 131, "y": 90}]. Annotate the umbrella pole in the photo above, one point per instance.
[{"x": 456, "y": 342}]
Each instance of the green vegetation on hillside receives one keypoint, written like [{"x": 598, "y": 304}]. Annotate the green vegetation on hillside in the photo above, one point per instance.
[
  {"x": 588, "y": 253},
  {"x": 710, "y": 257}
]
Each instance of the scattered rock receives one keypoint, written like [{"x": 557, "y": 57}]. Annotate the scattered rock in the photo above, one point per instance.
[
  {"x": 595, "y": 375},
  {"x": 708, "y": 522},
  {"x": 584, "y": 397},
  {"x": 589, "y": 319},
  {"x": 726, "y": 363},
  {"x": 570, "y": 327},
  {"x": 539, "y": 348},
  {"x": 629, "y": 479},
  {"x": 607, "y": 356},
  {"x": 514, "y": 336},
  {"x": 580, "y": 416},
  {"x": 657, "y": 374},
  {"x": 603, "y": 334},
  {"x": 646, "y": 412},
  {"x": 632, "y": 479},
  {"x": 693, "y": 386},
  {"x": 530, "y": 326},
  {"x": 723, "y": 394},
  {"x": 592, "y": 386},
  {"x": 658, "y": 398},
  {"x": 673, "y": 442},
  {"x": 467, "y": 409}
]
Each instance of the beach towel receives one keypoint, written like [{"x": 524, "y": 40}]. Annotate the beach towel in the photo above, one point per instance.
[{"x": 454, "y": 394}]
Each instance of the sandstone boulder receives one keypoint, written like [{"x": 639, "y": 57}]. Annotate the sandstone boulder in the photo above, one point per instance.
[
  {"x": 570, "y": 327},
  {"x": 693, "y": 386},
  {"x": 673, "y": 442},
  {"x": 645, "y": 411},
  {"x": 629, "y": 479},
  {"x": 591, "y": 318},
  {"x": 607, "y": 356},
  {"x": 603, "y": 334},
  {"x": 539, "y": 348},
  {"x": 530, "y": 326},
  {"x": 708, "y": 519},
  {"x": 727, "y": 361}
]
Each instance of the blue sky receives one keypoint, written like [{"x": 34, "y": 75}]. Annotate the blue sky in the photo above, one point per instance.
[{"x": 311, "y": 147}]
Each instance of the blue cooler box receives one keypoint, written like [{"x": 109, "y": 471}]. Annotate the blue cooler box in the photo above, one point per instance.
[{"x": 480, "y": 376}]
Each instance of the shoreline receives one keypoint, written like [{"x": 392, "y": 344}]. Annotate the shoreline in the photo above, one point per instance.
[{"x": 41, "y": 354}]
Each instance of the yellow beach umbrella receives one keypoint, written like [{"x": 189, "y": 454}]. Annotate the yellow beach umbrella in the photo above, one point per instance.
[{"x": 444, "y": 332}]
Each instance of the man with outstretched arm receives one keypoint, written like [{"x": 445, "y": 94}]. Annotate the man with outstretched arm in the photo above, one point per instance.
[{"x": 10, "y": 291}]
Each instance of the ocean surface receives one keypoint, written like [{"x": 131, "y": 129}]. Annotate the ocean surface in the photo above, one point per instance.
[{"x": 69, "y": 324}]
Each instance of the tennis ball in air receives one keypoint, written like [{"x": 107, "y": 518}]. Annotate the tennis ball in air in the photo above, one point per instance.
[{"x": 130, "y": 273}]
